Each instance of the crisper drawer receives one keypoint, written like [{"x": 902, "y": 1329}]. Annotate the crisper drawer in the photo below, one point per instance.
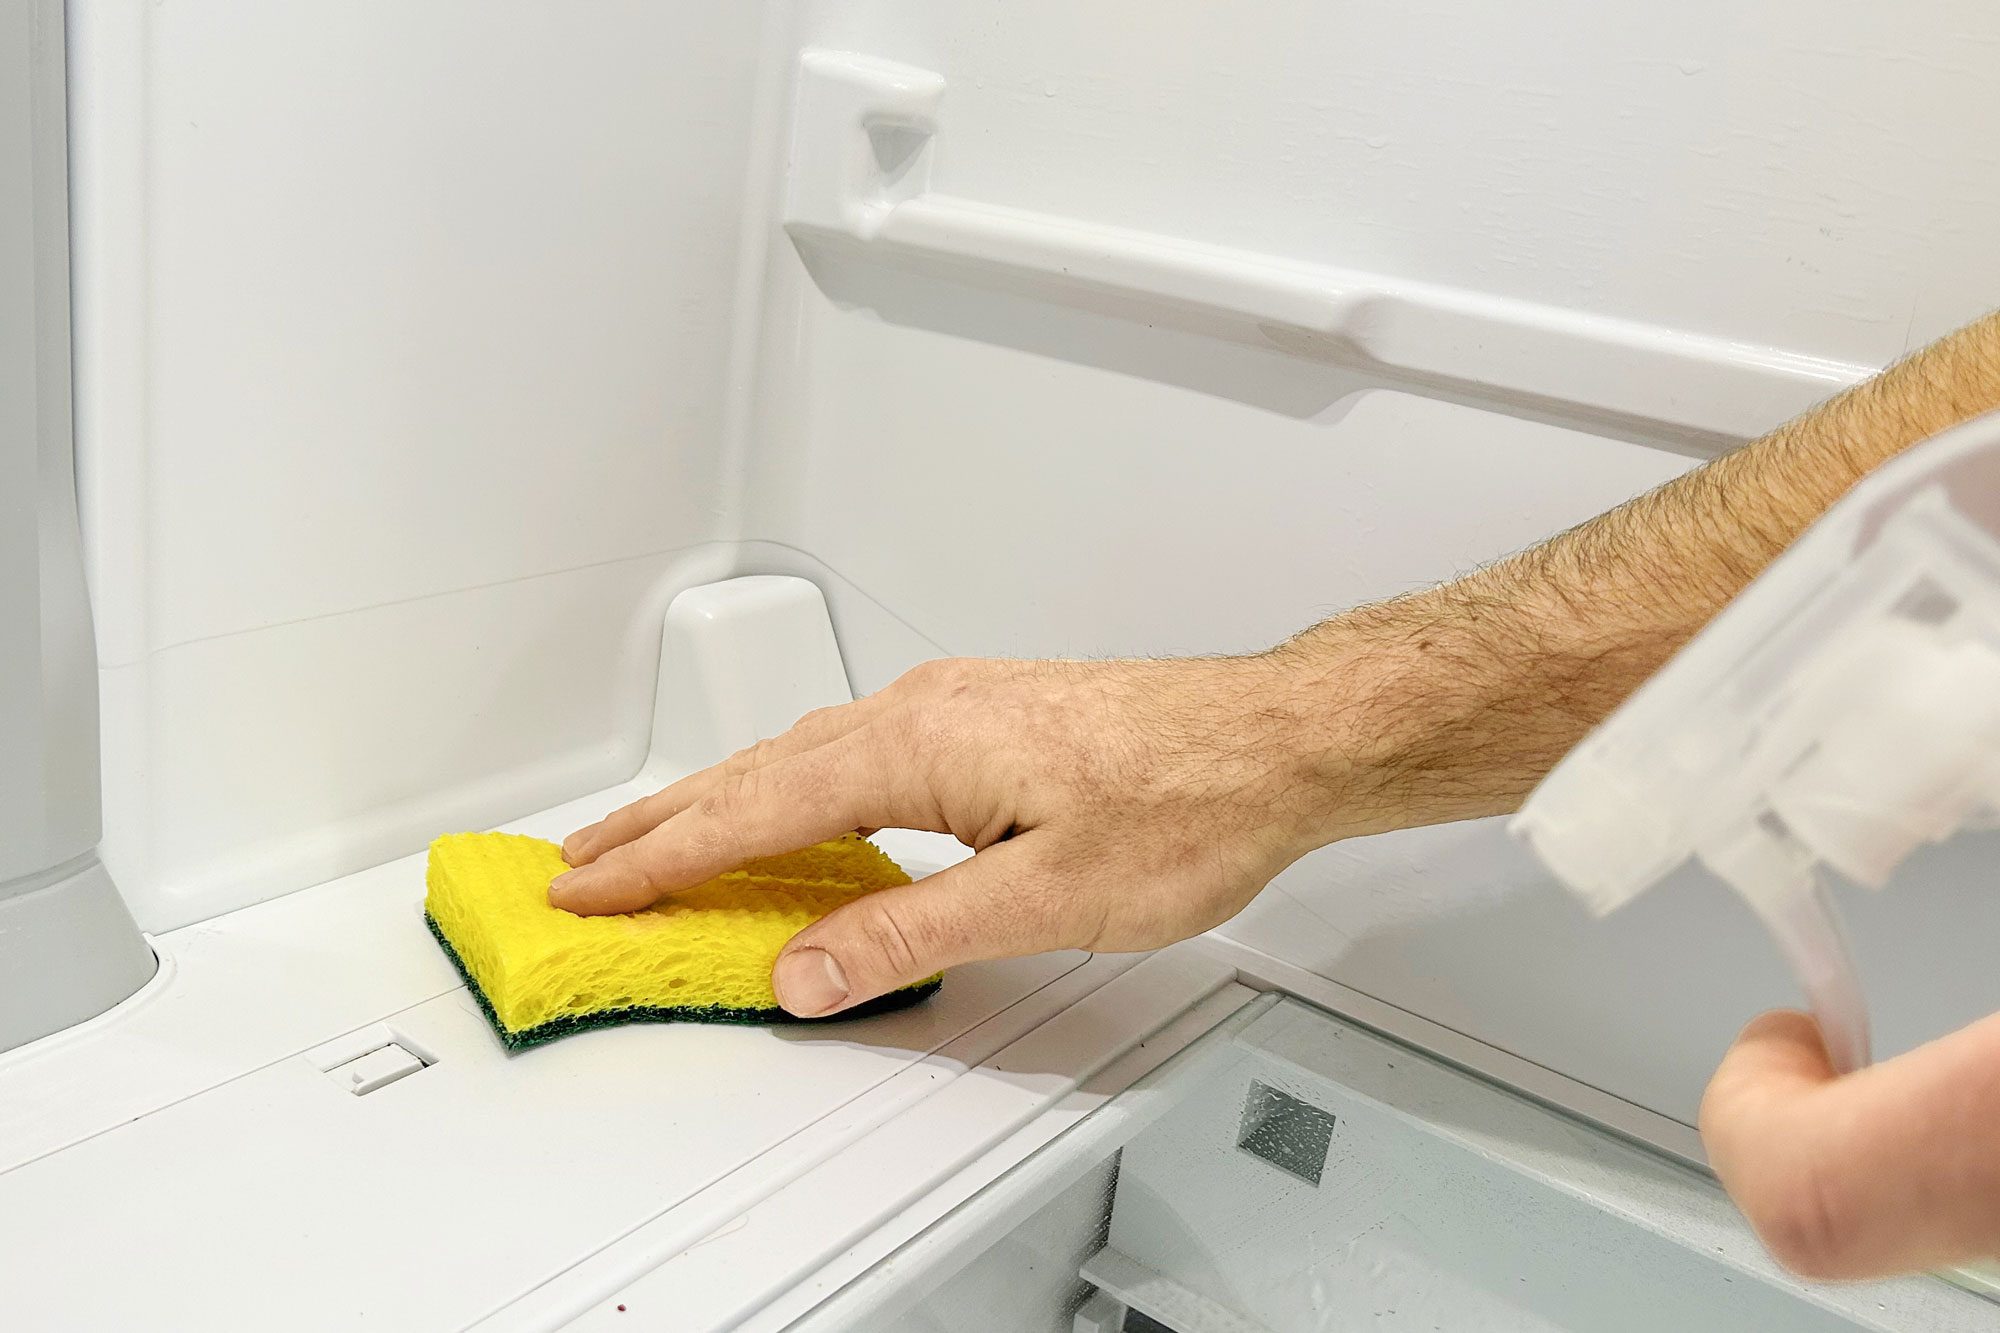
[
  {"x": 1292, "y": 1171},
  {"x": 1321, "y": 1177}
]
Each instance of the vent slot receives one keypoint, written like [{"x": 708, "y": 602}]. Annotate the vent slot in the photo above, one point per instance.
[{"x": 1289, "y": 1134}]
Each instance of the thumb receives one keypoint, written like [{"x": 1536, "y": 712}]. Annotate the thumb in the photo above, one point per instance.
[
  {"x": 1889, "y": 1169},
  {"x": 983, "y": 907},
  {"x": 1763, "y": 1123}
]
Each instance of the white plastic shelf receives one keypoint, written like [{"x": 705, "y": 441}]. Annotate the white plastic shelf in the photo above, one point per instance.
[
  {"x": 208, "y": 1139},
  {"x": 197, "y": 1139}
]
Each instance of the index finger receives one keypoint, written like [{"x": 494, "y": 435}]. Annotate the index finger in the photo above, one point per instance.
[
  {"x": 793, "y": 803},
  {"x": 644, "y": 815}
]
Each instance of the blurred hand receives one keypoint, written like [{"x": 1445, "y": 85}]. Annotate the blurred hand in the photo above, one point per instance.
[
  {"x": 1111, "y": 806},
  {"x": 1891, "y": 1169}
]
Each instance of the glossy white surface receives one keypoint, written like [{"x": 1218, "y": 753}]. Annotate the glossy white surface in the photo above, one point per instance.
[
  {"x": 56, "y": 900},
  {"x": 404, "y": 379},
  {"x": 859, "y": 200},
  {"x": 1447, "y": 1203},
  {"x": 680, "y": 1166},
  {"x": 424, "y": 354},
  {"x": 740, "y": 660},
  {"x": 1072, "y": 483},
  {"x": 553, "y": 1175}
]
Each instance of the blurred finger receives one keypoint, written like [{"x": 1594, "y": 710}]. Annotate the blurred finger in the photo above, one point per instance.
[{"x": 1890, "y": 1169}]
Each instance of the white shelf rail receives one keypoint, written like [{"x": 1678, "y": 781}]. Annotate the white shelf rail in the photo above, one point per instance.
[{"x": 859, "y": 186}]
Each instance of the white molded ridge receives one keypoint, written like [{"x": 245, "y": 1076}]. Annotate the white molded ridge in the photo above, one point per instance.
[{"x": 862, "y": 145}]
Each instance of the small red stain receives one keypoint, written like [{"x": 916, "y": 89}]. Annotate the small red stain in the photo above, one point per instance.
[{"x": 621, "y": 1309}]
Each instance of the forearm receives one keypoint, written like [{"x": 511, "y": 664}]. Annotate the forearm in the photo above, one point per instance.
[{"x": 1464, "y": 695}]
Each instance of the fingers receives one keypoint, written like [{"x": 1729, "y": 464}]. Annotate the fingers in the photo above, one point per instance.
[
  {"x": 780, "y": 807},
  {"x": 1001, "y": 903},
  {"x": 1891, "y": 1169},
  {"x": 641, "y": 817}
]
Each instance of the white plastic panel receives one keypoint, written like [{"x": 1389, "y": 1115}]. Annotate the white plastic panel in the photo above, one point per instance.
[
  {"x": 1787, "y": 174},
  {"x": 404, "y": 365},
  {"x": 740, "y": 661},
  {"x": 1073, "y": 512},
  {"x": 262, "y": 1189},
  {"x": 459, "y": 277},
  {"x": 1027, "y": 1278},
  {"x": 1448, "y": 1203},
  {"x": 932, "y": 1249},
  {"x": 407, "y": 401},
  {"x": 860, "y": 206},
  {"x": 246, "y": 1200},
  {"x": 1060, "y": 480},
  {"x": 248, "y": 766},
  {"x": 48, "y": 728},
  {"x": 714, "y": 1172}
]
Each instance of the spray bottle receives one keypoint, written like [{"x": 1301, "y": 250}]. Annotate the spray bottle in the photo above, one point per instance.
[{"x": 1841, "y": 711}]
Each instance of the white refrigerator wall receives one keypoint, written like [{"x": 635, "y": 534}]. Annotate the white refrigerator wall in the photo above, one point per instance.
[
  {"x": 1796, "y": 178},
  {"x": 406, "y": 402},
  {"x": 425, "y": 350}
]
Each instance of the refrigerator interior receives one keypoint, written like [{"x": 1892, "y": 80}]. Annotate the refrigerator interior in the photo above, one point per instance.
[{"x": 424, "y": 355}]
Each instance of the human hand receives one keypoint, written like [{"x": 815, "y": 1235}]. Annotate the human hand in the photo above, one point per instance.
[
  {"x": 1110, "y": 805},
  {"x": 1891, "y": 1169}
]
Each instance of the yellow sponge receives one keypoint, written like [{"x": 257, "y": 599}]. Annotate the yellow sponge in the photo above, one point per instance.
[{"x": 703, "y": 956}]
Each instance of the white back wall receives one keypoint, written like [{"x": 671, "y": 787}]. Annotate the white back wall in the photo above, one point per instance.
[
  {"x": 405, "y": 336},
  {"x": 1009, "y": 476},
  {"x": 424, "y": 351}
]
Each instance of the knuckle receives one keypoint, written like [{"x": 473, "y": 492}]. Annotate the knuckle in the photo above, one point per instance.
[
  {"x": 751, "y": 756},
  {"x": 718, "y": 814},
  {"x": 720, "y": 805},
  {"x": 627, "y": 815},
  {"x": 924, "y": 673},
  {"x": 941, "y": 672},
  {"x": 736, "y": 798}
]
